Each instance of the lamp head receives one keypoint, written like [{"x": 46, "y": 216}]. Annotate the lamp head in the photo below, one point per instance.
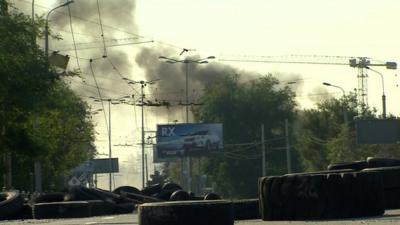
[{"x": 326, "y": 84}]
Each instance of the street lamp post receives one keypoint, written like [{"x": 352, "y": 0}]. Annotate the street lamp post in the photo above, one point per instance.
[
  {"x": 142, "y": 85},
  {"x": 110, "y": 101},
  {"x": 383, "y": 92},
  {"x": 187, "y": 62},
  {"x": 46, "y": 28},
  {"x": 344, "y": 107}
]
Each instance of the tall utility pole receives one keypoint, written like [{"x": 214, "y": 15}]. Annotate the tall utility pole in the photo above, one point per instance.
[
  {"x": 110, "y": 101},
  {"x": 263, "y": 151},
  {"x": 187, "y": 62},
  {"x": 142, "y": 86},
  {"x": 288, "y": 157},
  {"x": 109, "y": 145}
]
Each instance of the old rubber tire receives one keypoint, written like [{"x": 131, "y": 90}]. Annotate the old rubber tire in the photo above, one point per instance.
[
  {"x": 246, "y": 209},
  {"x": 265, "y": 197},
  {"x": 128, "y": 189},
  {"x": 392, "y": 197},
  {"x": 217, "y": 212},
  {"x": 171, "y": 186},
  {"x": 10, "y": 203},
  {"x": 125, "y": 208},
  {"x": 390, "y": 176},
  {"x": 212, "y": 196},
  {"x": 49, "y": 197},
  {"x": 100, "y": 208},
  {"x": 373, "y": 188},
  {"x": 382, "y": 162},
  {"x": 179, "y": 195},
  {"x": 75, "y": 209},
  {"x": 357, "y": 165},
  {"x": 152, "y": 190},
  {"x": 321, "y": 172}
]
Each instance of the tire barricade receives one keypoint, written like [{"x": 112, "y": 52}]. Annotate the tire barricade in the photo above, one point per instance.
[
  {"x": 321, "y": 196},
  {"x": 214, "y": 212}
]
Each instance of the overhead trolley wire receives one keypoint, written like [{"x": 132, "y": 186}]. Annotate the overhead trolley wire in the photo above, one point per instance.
[
  {"x": 84, "y": 19},
  {"x": 101, "y": 29},
  {"x": 73, "y": 37},
  {"x": 98, "y": 90}
]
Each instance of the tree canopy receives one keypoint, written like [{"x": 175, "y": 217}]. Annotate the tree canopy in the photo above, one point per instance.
[
  {"x": 242, "y": 108},
  {"x": 41, "y": 117}
]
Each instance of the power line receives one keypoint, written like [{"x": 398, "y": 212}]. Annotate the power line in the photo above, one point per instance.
[
  {"x": 84, "y": 19},
  {"x": 106, "y": 46},
  {"x": 98, "y": 90},
  {"x": 73, "y": 37},
  {"x": 101, "y": 29}
]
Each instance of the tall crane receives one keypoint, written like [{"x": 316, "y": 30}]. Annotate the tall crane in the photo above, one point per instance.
[{"x": 361, "y": 63}]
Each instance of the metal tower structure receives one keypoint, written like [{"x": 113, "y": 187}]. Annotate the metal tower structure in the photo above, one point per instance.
[{"x": 361, "y": 63}]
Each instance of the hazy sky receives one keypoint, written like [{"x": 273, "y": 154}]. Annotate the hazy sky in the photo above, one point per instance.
[{"x": 228, "y": 29}]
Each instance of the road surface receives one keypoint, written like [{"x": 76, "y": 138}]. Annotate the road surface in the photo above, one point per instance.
[{"x": 390, "y": 217}]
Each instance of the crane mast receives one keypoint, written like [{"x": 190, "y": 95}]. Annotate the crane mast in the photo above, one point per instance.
[{"x": 361, "y": 63}]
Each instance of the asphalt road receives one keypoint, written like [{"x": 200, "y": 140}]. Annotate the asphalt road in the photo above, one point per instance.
[{"x": 390, "y": 217}]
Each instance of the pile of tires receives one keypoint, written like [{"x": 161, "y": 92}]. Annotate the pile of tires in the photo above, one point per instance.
[
  {"x": 391, "y": 185},
  {"x": 213, "y": 212},
  {"x": 370, "y": 162},
  {"x": 388, "y": 169},
  {"x": 11, "y": 202},
  {"x": 321, "y": 195}
]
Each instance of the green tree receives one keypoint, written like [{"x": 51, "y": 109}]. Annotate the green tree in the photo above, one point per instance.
[
  {"x": 242, "y": 108},
  {"x": 41, "y": 118},
  {"x": 323, "y": 137}
]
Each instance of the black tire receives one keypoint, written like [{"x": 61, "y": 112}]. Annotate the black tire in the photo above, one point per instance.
[
  {"x": 100, "y": 208},
  {"x": 392, "y": 198},
  {"x": 321, "y": 172},
  {"x": 11, "y": 202},
  {"x": 76, "y": 209},
  {"x": 347, "y": 190},
  {"x": 188, "y": 212},
  {"x": 171, "y": 186},
  {"x": 390, "y": 176},
  {"x": 357, "y": 165},
  {"x": 212, "y": 196},
  {"x": 265, "y": 197},
  {"x": 152, "y": 190},
  {"x": 128, "y": 189},
  {"x": 246, "y": 209},
  {"x": 50, "y": 197},
  {"x": 179, "y": 195},
  {"x": 373, "y": 189},
  {"x": 164, "y": 194},
  {"x": 125, "y": 208},
  {"x": 276, "y": 202},
  {"x": 25, "y": 213},
  {"x": 288, "y": 196},
  {"x": 382, "y": 162}
]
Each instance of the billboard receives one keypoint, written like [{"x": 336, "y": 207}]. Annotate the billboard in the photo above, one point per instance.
[
  {"x": 98, "y": 166},
  {"x": 378, "y": 131},
  {"x": 178, "y": 140}
]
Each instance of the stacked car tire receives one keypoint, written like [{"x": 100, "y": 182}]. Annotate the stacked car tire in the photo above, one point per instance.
[
  {"x": 388, "y": 170},
  {"x": 322, "y": 195}
]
